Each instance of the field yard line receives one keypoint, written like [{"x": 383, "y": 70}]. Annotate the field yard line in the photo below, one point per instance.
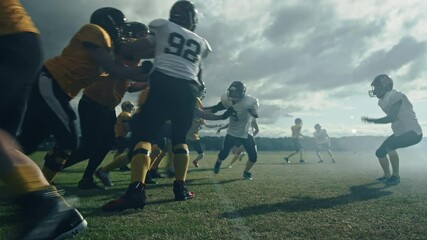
[{"x": 236, "y": 220}]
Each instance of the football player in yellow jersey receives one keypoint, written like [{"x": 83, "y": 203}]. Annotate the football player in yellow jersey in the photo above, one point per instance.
[
  {"x": 46, "y": 214},
  {"x": 193, "y": 137},
  {"x": 62, "y": 78},
  {"x": 121, "y": 160},
  {"x": 97, "y": 114},
  {"x": 122, "y": 128},
  {"x": 296, "y": 135}
]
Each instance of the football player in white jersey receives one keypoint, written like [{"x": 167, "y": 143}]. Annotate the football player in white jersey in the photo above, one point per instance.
[
  {"x": 323, "y": 142},
  {"x": 174, "y": 87},
  {"x": 406, "y": 129},
  {"x": 245, "y": 109}
]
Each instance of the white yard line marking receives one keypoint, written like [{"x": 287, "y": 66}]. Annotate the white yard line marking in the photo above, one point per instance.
[{"x": 236, "y": 220}]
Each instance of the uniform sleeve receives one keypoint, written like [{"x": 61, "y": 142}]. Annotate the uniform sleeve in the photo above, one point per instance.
[
  {"x": 208, "y": 49},
  {"x": 95, "y": 35}
]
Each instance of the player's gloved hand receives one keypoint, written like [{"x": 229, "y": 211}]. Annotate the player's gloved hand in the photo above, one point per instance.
[
  {"x": 230, "y": 111},
  {"x": 366, "y": 120}
]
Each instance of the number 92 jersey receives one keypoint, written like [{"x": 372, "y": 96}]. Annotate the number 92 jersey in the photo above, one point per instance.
[
  {"x": 178, "y": 52},
  {"x": 240, "y": 122}
]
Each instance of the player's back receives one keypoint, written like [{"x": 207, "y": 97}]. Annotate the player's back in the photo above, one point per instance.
[{"x": 178, "y": 51}]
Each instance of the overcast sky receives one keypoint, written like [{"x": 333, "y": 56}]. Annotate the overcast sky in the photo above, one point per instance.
[{"x": 311, "y": 59}]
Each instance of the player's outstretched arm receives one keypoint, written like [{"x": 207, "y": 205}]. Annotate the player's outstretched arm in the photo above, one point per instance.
[
  {"x": 106, "y": 62},
  {"x": 391, "y": 116}
]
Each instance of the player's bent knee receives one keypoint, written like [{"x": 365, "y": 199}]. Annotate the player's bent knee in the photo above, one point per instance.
[
  {"x": 141, "y": 148},
  {"x": 181, "y": 149},
  {"x": 381, "y": 152},
  {"x": 253, "y": 160}
]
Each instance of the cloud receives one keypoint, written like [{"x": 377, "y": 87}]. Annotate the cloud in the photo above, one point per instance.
[{"x": 297, "y": 57}]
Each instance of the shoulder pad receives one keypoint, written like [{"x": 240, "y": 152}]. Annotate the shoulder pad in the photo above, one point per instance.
[
  {"x": 157, "y": 23},
  {"x": 208, "y": 46},
  {"x": 94, "y": 34},
  {"x": 225, "y": 101},
  {"x": 253, "y": 101}
]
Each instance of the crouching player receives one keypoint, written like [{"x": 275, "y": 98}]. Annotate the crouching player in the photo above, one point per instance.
[{"x": 406, "y": 129}]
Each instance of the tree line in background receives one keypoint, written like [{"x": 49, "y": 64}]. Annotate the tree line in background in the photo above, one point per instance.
[{"x": 353, "y": 143}]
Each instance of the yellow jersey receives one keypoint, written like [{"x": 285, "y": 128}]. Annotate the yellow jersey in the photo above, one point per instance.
[
  {"x": 107, "y": 91},
  {"x": 75, "y": 69},
  {"x": 14, "y": 18}
]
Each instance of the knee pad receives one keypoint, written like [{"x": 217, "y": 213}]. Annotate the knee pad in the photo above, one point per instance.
[
  {"x": 381, "y": 152},
  {"x": 141, "y": 148},
  {"x": 253, "y": 160},
  {"x": 181, "y": 149}
]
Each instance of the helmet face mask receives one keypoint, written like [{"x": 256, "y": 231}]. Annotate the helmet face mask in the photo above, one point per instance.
[
  {"x": 380, "y": 86},
  {"x": 236, "y": 91},
  {"x": 317, "y": 127},
  {"x": 184, "y": 14}
]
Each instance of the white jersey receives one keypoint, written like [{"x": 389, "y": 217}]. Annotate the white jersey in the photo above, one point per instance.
[
  {"x": 406, "y": 118},
  {"x": 240, "y": 123},
  {"x": 178, "y": 52},
  {"x": 321, "y": 137}
]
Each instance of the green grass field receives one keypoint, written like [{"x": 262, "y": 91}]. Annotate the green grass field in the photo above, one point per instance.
[{"x": 284, "y": 201}]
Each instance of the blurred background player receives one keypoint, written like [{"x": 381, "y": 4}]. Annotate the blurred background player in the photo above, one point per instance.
[
  {"x": 406, "y": 129},
  {"x": 121, "y": 130},
  {"x": 323, "y": 142},
  {"x": 62, "y": 78},
  {"x": 245, "y": 109},
  {"x": 174, "y": 84},
  {"x": 46, "y": 214},
  {"x": 97, "y": 113},
  {"x": 296, "y": 136}
]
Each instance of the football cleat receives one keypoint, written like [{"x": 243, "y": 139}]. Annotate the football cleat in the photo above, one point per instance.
[
  {"x": 89, "y": 184},
  {"x": 383, "y": 178},
  {"x": 49, "y": 217},
  {"x": 104, "y": 177},
  {"x": 181, "y": 192},
  {"x": 134, "y": 198},
  {"x": 149, "y": 179},
  {"x": 195, "y": 163},
  {"x": 286, "y": 160},
  {"x": 393, "y": 180},
  {"x": 320, "y": 161},
  {"x": 301, "y": 161},
  {"x": 217, "y": 166},
  {"x": 155, "y": 173},
  {"x": 247, "y": 175},
  {"x": 333, "y": 160}
]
